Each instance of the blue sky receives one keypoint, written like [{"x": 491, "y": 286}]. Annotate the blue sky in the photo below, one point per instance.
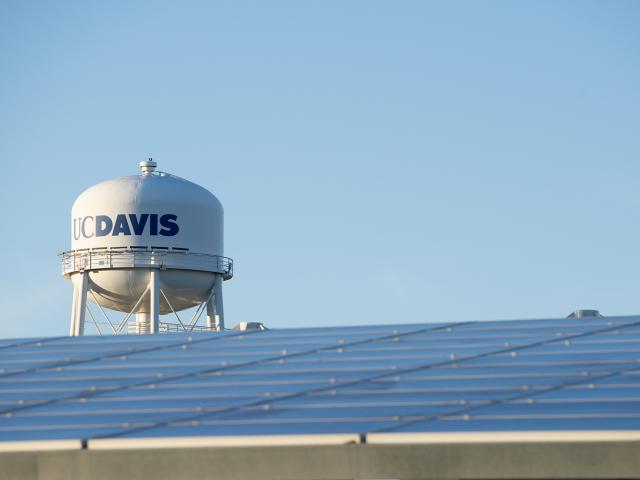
[{"x": 379, "y": 162}]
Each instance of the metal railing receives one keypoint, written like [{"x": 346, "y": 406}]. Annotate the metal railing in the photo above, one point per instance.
[
  {"x": 134, "y": 328},
  {"x": 82, "y": 260}
]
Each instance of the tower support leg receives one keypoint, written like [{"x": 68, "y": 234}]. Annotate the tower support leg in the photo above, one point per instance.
[
  {"x": 217, "y": 296},
  {"x": 211, "y": 315},
  {"x": 78, "y": 308},
  {"x": 215, "y": 309},
  {"x": 154, "y": 301}
]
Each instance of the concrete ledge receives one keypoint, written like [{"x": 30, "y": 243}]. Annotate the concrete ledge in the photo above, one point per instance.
[
  {"x": 222, "y": 441},
  {"x": 40, "y": 445},
  {"x": 504, "y": 437}
]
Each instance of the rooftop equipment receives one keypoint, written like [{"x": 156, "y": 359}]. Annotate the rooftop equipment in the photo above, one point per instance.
[{"x": 584, "y": 313}]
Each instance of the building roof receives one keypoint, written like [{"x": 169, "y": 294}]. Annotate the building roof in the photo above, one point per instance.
[{"x": 390, "y": 383}]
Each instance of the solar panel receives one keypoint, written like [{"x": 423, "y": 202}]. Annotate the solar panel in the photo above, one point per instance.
[{"x": 534, "y": 375}]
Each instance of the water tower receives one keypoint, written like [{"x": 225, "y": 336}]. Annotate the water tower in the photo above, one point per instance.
[{"x": 147, "y": 245}]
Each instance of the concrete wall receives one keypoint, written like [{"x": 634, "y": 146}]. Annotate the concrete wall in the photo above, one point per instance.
[{"x": 459, "y": 461}]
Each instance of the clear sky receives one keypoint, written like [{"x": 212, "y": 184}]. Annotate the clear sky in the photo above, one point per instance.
[{"x": 379, "y": 162}]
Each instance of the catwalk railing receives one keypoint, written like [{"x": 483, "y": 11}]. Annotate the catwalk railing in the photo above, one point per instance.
[{"x": 144, "y": 257}]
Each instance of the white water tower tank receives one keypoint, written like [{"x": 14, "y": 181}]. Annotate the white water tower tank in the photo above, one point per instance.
[{"x": 149, "y": 245}]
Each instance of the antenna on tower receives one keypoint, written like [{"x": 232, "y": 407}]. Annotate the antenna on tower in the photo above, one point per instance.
[{"x": 148, "y": 167}]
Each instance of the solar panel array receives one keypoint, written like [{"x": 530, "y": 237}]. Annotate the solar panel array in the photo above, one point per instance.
[{"x": 534, "y": 375}]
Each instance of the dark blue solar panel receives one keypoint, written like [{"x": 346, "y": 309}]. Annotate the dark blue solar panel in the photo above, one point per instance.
[
  {"x": 516, "y": 375},
  {"x": 483, "y": 424}
]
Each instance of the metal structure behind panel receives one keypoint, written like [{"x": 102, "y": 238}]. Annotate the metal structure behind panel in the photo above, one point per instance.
[{"x": 146, "y": 245}]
